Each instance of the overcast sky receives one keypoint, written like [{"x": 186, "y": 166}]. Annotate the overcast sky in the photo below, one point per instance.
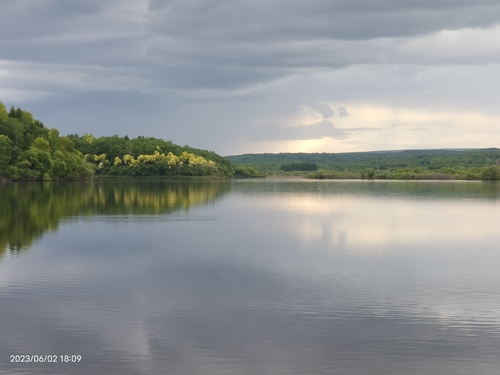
[{"x": 237, "y": 76}]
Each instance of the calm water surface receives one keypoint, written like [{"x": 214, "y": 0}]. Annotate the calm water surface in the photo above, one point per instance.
[{"x": 251, "y": 277}]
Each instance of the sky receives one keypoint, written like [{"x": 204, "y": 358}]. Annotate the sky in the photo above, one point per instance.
[{"x": 251, "y": 76}]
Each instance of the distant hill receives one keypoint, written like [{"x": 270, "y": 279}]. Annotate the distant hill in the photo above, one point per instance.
[
  {"x": 441, "y": 164},
  {"x": 432, "y": 159}
]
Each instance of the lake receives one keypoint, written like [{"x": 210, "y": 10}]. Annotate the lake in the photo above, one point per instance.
[{"x": 250, "y": 277}]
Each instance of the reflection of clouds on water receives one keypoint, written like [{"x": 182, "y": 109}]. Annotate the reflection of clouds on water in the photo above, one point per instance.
[
  {"x": 213, "y": 313},
  {"x": 369, "y": 224},
  {"x": 265, "y": 287}
]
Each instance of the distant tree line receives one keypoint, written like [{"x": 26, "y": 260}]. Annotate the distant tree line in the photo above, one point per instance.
[
  {"x": 491, "y": 173},
  {"x": 466, "y": 164},
  {"x": 378, "y": 160}
]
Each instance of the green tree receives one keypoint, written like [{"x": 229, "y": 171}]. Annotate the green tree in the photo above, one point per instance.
[
  {"x": 490, "y": 173},
  {"x": 40, "y": 161},
  {"x": 41, "y": 144},
  {"x": 4, "y": 115},
  {"x": 5, "y": 152}
]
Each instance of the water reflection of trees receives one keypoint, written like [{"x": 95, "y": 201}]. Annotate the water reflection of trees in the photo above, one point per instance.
[{"x": 27, "y": 211}]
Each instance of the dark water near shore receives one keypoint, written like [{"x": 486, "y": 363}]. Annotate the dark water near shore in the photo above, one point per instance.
[{"x": 251, "y": 277}]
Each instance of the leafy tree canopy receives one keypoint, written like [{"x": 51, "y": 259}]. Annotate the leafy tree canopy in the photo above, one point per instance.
[{"x": 31, "y": 151}]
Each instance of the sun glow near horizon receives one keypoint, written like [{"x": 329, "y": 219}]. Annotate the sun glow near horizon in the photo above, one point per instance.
[{"x": 370, "y": 127}]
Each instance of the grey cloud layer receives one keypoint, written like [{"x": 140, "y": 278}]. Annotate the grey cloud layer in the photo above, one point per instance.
[
  {"x": 226, "y": 39},
  {"x": 319, "y": 19},
  {"x": 241, "y": 55},
  {"x": 295, "y": 34}
]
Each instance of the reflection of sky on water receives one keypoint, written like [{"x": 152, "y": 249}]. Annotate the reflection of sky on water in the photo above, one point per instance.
[
  {"x": 260, "y": 289},
  {"x": 371, "y": 225}
]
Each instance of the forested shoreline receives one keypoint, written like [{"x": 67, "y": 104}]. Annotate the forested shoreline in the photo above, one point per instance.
[
  {"x": 29, "y": 151},
  {"x": 116, "y": 156},
  {"x": 461, "y": 164}
]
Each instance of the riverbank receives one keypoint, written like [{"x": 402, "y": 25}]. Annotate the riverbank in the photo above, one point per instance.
[{"x": 491, "y": 173}]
